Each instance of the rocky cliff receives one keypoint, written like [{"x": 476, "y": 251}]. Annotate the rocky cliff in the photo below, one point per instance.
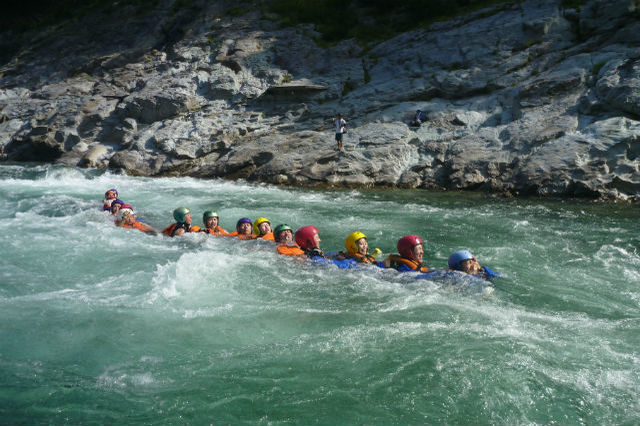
[{"x": 528, "y": 99}]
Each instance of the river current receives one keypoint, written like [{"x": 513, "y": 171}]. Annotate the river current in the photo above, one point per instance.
[{"x": 108, "y": 325}]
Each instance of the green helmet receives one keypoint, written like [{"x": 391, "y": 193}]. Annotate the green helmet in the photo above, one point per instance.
[
  {"x": 180, "y": 214},
  {"x": 207, "y": 214},
  {"x": 279, "y": 229}
]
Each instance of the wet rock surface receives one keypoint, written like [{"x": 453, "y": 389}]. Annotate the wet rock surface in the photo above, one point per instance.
[{"x": 525, "y": 99}]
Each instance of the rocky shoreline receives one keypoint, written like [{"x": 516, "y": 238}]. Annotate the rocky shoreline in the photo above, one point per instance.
[{"x": 525, "y": 99}]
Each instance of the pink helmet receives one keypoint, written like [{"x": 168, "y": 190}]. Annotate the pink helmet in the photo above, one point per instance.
[
  {"x": 406, "y": 245},
  {"x": 304, "y": 237}
]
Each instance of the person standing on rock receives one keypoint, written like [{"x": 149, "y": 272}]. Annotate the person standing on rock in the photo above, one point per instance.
[
  {"x": 341, "y": 128},
  {"x": 418, "y": 119}
]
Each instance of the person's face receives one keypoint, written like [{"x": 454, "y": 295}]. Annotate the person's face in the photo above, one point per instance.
[
  {"x": 418, "y": 251},
  {"x": 114, "y": 209},
  {"x": 187, "y": 218},
  {"x": 244, "y": 228},
  {"x": 264, "y": 227},
  {"x": 212, "y": 222},
  {"x": 470, "y": 266},
  {"x": 130, "y": 219},
  {"x": 316, "y": 241},
  {"x": 286, "y": 236},
  {"x": 362, "y": 246},
  {"x": 110, "y": 195}
]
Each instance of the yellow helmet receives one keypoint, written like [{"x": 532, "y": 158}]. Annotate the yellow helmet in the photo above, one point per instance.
[
  {"x": 256, "y": 224},
  {"x": 350, "y": 242}
]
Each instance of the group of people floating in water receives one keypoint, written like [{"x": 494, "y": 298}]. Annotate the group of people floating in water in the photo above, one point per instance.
[{"x": 303, "y": 243}]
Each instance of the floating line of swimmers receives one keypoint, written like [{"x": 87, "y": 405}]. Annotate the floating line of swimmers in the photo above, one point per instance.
[{"x": 303, "y": 243}]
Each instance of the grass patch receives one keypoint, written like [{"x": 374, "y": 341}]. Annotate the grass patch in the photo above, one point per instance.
[
  {"x": 367, "y": 76},
  {"x": 572, "y": 4},
  {"x": 595, "y": 70},
  {"x": 348, "y": 88},
  {"x": 236, "y": 11},
  {"x": 531, "y": 43},
  {"x": 179, "y": 5}
]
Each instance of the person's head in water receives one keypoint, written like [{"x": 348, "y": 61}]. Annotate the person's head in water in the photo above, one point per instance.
[
  {"x": 308, "y": 238},
  {"x": 356, "y": 244},
  {"x": 465, "y": 261},
  {"x": 127, "y": 216},
  {"x": 262, "y": 226},
  {"x": 116, "y": 205},
  {"x": 243, "y": 226},
  {"x": 283, "y": 233},
  {"x": 210, "y": 219},
  {"x": 111, "y": 194},
  {"x": 182, "y": 215},
  {"x": 410, "y": 247}
]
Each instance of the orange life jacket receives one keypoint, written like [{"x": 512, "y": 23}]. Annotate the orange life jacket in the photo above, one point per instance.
[
  {"x": 293, "y": 250},
  {"x": 217, "y": 231},
  {"x": 268, "y": 237},
  {"x": 397, "y": 261},
  {"x": 137, "y": 225},
  {"x": 171, "y": 229},
  {"x": 366, "y": 258},
  {"x": 242, "y": 236}
]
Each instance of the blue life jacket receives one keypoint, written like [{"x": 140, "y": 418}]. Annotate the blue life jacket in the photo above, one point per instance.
[{"x": 458, "y": 276}]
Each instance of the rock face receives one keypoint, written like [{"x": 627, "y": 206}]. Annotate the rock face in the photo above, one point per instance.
[{"x": 525, "y": 99}]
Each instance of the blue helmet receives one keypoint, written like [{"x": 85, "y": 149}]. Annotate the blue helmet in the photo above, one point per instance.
[{"x": 456, "y": 258}]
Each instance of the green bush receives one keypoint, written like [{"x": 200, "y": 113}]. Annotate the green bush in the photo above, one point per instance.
[
  {"x": 573, "y": 4},
  {"x": 370, "y": 20},
  {"x": 32, "y": 14},
  {"x": 597, "y": 67}
]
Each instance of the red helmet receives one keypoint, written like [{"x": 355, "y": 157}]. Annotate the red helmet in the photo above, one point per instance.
[
  {"x": 304, "y": 237},
  {"x": 406, "y": 245}
]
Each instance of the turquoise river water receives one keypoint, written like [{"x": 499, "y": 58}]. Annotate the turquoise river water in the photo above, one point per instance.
[{"x": 112, "y": 326}]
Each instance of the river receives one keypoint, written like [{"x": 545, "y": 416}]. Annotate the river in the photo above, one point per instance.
[{"x": 107, "y": 325}]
